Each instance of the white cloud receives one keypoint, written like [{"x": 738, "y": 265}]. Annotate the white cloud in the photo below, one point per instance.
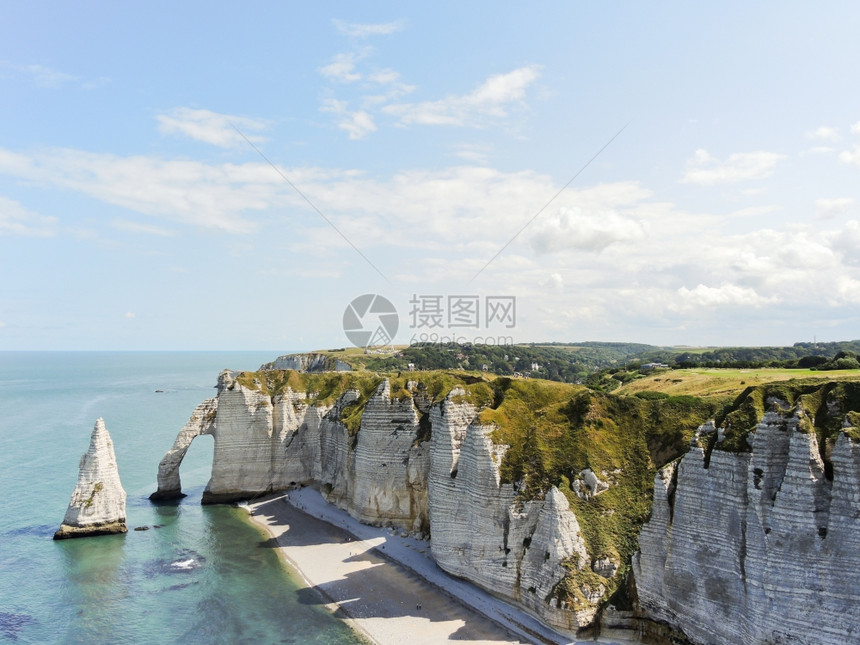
[
  {"x": 554, "y": 282},
  {"x": 46, "y": 77},
  {"x": 95, "y": 83},
  {"x": 392, "y": 90},
  {"x": 656, "y": 263},
  {"x": 726, "y": 295},
  {"x": 690, "y": 273},
  {"x": 820, "y": 150},
  {"x": 210, "y": 127},
  {"x": 845, "y": 290},
  {"x": 17, "y": 220},
  {"x": 474, "y": 153},
  {"x": 823, "y": 133},
  {"x": 827, "y": 208},
  {"x": 130, "y": 314},
  {"x": 342, "y": 68},
  {"x": 752, "y": 212},
  {"x": 191, "y": 192},
  {"x": 433, "y": 209},
  {"x": 384, "y": 77},
  {"x": 492, "y": 99},
  {"x": 358, "y": 124},
  {"x": 576, "y": 229},
  {"x": 706, "y": 170},
  {"x": 850, "y": 156},
  {"x": 382, "y": 89},
  {"x": 846, "y": 242},
  {"x": 50, "y": 78},
  {"x": 359, "y": 30}
]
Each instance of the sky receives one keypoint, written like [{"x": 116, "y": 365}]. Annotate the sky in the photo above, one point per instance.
[{"x": 210, "y": 176}]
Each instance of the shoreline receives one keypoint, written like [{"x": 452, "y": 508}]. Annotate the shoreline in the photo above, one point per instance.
[{"x": 385, "y": 585}]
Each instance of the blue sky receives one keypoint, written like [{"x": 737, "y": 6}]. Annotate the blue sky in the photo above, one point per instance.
[{"x": 133, "y": 215}]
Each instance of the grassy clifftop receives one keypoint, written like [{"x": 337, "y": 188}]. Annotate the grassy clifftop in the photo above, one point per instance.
[
  {"x": 723, "y": 381},
  {"x": 823, "y": 406},
  {"x": 555, "y": 431}
]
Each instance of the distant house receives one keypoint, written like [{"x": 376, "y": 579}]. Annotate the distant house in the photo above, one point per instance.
[
  {"x": 653, "y": 366},
  {"x": 485, "y": 367},
  {"x": 535, "y": 367}
]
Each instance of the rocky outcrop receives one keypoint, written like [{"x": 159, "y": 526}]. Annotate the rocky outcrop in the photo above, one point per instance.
[
  {"x": 308, "y": 363},
  {"x": 387, "y": 470},
  {"x": 391, "y": 473},
  {"x": 752, "y": 536},
  {"x": 97, "y": 506},
  {"x": 518, "y": 550},
  {"x": 269, "y": 443},
  {"x": 202, "y": 422},
  {"x": 760, "y": 546}
]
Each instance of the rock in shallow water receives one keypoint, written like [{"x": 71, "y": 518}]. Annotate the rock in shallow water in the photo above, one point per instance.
[{"x": 97, "y": 506}]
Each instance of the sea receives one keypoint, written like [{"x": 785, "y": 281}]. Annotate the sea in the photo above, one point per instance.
[{"x": 206, "y": 576}]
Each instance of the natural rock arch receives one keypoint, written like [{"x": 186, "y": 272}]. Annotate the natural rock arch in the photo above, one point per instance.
[{"x": 202, "y": 422}]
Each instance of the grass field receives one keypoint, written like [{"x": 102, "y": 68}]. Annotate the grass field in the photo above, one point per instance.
[{"x": 724, "y": 382}]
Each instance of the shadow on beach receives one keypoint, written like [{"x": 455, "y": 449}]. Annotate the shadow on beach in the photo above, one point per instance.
[{"x": 355, "y": 575}]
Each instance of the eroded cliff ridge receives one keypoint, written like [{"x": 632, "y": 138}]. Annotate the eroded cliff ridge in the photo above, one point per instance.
[
  {"x": 537, "y": 491},
  {"x": 97, "y": 506},
  {"x": 754, "y": 534},
  {"x": 529, "y": 489}
]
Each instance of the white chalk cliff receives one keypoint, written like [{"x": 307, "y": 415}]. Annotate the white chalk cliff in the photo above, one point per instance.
[
  {"x": 747, "y": 547},
  {"x": 389, "y": 474},
  {"x": 760, "y": 546},
  {"x": 313, "y": 362},
  {"x": 97, "y": 506},
  {"x": 482, "y": 534}
]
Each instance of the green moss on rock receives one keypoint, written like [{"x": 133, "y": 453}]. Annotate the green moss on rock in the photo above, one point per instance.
[
  {"x": 555, "y": 431},
  {"x": 824, "y": 406}
]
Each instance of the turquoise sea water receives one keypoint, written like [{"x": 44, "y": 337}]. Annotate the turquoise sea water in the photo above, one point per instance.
[{"x": 205, "y": 577}]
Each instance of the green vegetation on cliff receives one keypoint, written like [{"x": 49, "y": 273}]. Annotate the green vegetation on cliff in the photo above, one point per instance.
[
  {"x": 325, "y": 388},
  {"x": 556, "y": 432},
  {"x": 825, "y": 406}
]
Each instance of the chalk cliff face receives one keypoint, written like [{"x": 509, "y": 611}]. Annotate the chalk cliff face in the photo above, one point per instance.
[
  {"x": 747, "y": 542},
  {"x": 386, "y": 473},
  {"x": 307, "y": 363},
  {"x": 390, "y": 473},
  {"x": 482, "y": 534},
  {"x": 202, "y": 422},
  {"x": 760, "y": 546},
  {"x": 97, "y": 506}
]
